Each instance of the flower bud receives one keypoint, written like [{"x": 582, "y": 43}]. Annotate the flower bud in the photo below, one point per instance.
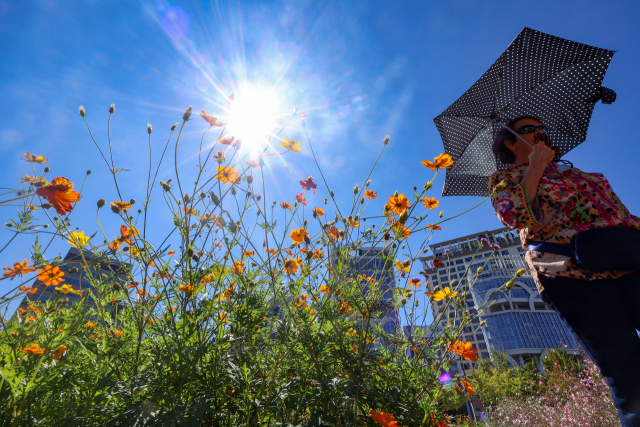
[
  {"x": 114, "y": 208},
  {"x": 187, "y": 114},
  {"x": 386, "y": 140},
  {"x": 428, "y": 186},
  {"x": 112, "y": 109},
  {"x": 479, "y": 270},
  {"x": 186, "y": 197},
  {"x": 89, "y": 172},
  {"x": 331, "y": 193},
  {"x": 101, "y": 203},
  {"x": 7, "y": 224},
  {"x": 165, "y": 185},
  {"x": 45, "y": 226},
  {"x": 47, "y": 169},
  {"x": 149, "y": 130},
  {"x": 73, "y": 270},
  {"x": 234, "y": 192},
  {"x": 356, "y": 189},
  {"x": 500, "y": 186},
  {"x": 520, "y": 272},
  {"x": 132, "y": 201},
  {"x": 115, "y": 286},
  {"x": 510, "y": 284},
  {"x": 46, "y": 205},
  {"x": 441, "y": 214},
  {"x": 82, "y": 112},
  {"x": 203, "y": 195},
  {"x": 258, "y": 197},
  {"x": 175, "y": 125},
  {"x": 483, "y": 323},
  {"x": 249, "y": 179},
  {"x": 368, "y": 183}
]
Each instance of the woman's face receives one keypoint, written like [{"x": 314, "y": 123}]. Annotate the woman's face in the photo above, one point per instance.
[{"x": 520, "y": 148}]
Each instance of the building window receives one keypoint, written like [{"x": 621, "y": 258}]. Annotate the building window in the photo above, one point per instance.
[
  {"x": 485, "y": 354},
  {"x": 505, "y": 252},
  {"x": 470, "y": 304},
  {"x": 439, "y": 303},
  {"x": 444, "y": 278},
  {"x": 468, "y": 259},
  {"x": 443, "y": 272},
  {"x": 454, "y": 276},
  {"x": 487, "y": 255},
  {"x": 467, "y": 329},
  {"x": 520, "y": 249},
  {"x": 483, "y": 345},
  {"x": 480, "y": 337},
  {"x": 459, "y": 261},
  {"x": 463, "y": 268}
]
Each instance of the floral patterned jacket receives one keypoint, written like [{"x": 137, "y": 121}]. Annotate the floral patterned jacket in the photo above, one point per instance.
[{"x": 567, "y": 203}]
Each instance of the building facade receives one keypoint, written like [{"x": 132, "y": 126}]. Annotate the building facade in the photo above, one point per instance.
[{"x": 517, "y": 322}]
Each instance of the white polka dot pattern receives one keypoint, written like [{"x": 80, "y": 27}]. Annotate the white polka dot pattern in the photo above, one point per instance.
[{"x": 539, "y": 74}]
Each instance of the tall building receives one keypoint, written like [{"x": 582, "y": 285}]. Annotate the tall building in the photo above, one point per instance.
[
  {"x": 370, "y": 264},
  {"x": 79, "y": 281},
  {"x": 519, "y": 322}
]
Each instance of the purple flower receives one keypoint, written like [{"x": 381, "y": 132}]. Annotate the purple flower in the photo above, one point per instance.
[
  {"x": 445, "y": 377},
  {"x": 495, "y": 246},
  {"x": 483, "y": 416},
  {"x": 446, "y": 251},
  {"x": 484, "y": 242}
]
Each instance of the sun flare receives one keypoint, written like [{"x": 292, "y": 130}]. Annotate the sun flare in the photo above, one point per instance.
[{"x": 251, "y": 116}]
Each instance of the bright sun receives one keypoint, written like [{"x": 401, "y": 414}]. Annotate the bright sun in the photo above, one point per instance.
[{"x": 251, "y": 116}]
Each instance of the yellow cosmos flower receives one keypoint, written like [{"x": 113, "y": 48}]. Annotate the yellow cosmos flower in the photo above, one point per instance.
[
  {"x": 430, "y": 202},
  {"x": 65, "y": 289},
  {"x": 32, "y": 158},
  {"x": 403, "y": 267},
  {"x": 446, "y": 293},
  {"x": 78, "y": 239},
  {"x": 351, "y": 332},
  {"x": 298, "y": 236},
  {"x": 290, "y": 144}
]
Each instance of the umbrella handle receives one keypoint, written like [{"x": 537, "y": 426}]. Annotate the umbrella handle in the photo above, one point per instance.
[{"x": 518, "y": 136}]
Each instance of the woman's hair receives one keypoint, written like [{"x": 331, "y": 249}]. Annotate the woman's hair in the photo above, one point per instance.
[{"x": 500, "y": 149}]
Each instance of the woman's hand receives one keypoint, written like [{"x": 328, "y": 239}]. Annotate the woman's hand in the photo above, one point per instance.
[{"x": 541, "y": 155}]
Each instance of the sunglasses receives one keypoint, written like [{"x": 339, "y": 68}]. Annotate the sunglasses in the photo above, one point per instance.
[{"x": 526, "y": 129}]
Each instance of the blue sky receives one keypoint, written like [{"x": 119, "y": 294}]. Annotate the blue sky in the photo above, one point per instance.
[{"x": 360, "y": 70}]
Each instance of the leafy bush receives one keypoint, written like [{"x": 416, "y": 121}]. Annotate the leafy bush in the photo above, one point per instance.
[{"x": 259, "y": 315}]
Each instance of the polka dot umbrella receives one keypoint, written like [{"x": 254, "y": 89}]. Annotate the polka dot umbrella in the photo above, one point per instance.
[{"x": 539, "y": 74}]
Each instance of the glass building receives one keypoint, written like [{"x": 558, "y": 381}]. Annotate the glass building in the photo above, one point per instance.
[{"x": 518, "y": 321}]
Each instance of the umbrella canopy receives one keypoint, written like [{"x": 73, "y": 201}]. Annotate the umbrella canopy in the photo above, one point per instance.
[{"x": 539, "y": 74}]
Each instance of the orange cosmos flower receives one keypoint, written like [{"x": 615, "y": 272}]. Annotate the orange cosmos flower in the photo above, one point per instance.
[
  {"x": 468, "y": 387},
  {"x": 230, "y": 141},
  {"x": 115, "y": 245},
  {"x": 248, "y": 253},
  {"x": 253, "y": 163},
  {"x": 189, "y": 211},
  {"x": 434, "y": 227},
  {"x": 58, "y": 352},
  {"x": 118, "y": 334},
  {"x": 398, "y": 204},
  {"x": 464, "y": 350},
  {"x": 334, "y": 233},
  {"x": 291, "y": 266},
  {"x": 18, "y": 269},
  {"x": 430, "y": 202},
  {"x": 324, "y": 289},
  {"x": 50, "y": 276},
  {"x": 308, "y": 184},
  {"x": 301, "y": 199},
  {"x": 440, "y": 162},
  {"x": 90, "y": 324},
  {"x": 369, "y": 194},
  {"x": 28, "y": 290},
  {"x": 210, "y": 119},
  {"x": 61, "y": 194},
  {"x": 298, "y": 236},
  {"x": 32, "y": 349},
  {"x": 128, "y": 233},
  {"x": 352, "y": 223},
  {"x": 226, "y": 175},
  {"x": 385, "y": 419},
  {"x": 171, "y": 253},
  {"x": 187, "y": 289},
  {"x": 318, "y": 254},
  {"x": 318, "y": 212},
  {"x": 270, "y": 251},
  {"x": 123, "y": 206},
  {"x": 238, "y": 268},
  {"x": 285, "y": 205},
  {"x": 223, "y": 317},
  {"x": 32, "y": 158},
  {"x": 217, "y": 245}
]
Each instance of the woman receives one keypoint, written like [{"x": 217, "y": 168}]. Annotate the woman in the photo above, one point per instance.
[{"x": 548, "y": 202}]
